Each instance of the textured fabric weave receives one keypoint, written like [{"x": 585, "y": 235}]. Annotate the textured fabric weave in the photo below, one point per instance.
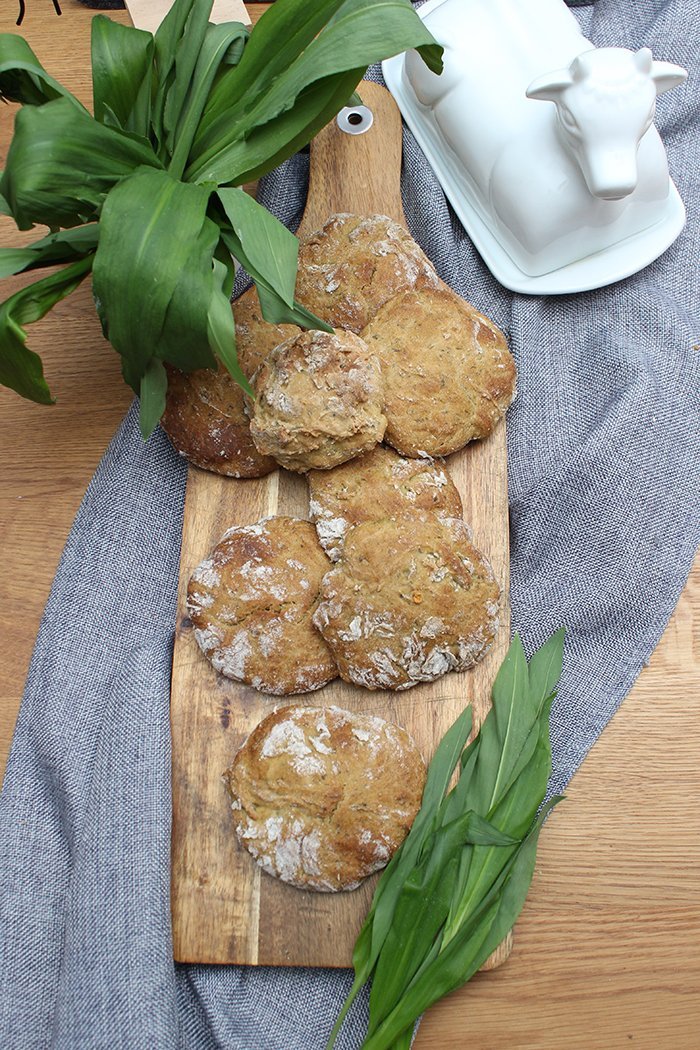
[{"x": 604, "y": 481}]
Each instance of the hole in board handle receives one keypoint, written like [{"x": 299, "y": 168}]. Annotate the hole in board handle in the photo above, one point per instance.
[{"x": 355, "y": 120}]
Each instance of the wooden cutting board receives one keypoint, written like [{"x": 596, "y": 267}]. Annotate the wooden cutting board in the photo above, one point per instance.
[{"x": 225, "y": 909}]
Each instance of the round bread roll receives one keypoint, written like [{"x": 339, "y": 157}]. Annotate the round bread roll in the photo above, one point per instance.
[
  {"x": 448, "y": 373},
  {"x": 204, "y": 412},
  {"x": 318, "y": 401},
  {"x": 377, "y": 484},
  {"x": 251, "y": 603},
  {"x": 323, "y": 797},
  {"x": 348, "y": 269},
  {"x": 410, "y": 599}
]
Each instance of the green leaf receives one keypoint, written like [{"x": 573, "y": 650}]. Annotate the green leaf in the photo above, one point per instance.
[
  {"x": 274, "y": 309},
  {"x": 423, "y": 906},
  {"x": 122, "y": 68},
  {"x": 276, "y": 312},
  {"x": 544, "y": 669},
  {"x": 278, "y": 38},
  {"x": 231, "y": 161},
  {"x": 61, "y": 164},
  {"x": 268, "y": 246},
  {"x": 505, "y": 729},
  {"x": 24, "y": 79},
  {"x": 153, "y": 387},
  {"x": 64, "y": 246},
  {"x": 222, "y": 46},
  {"x": 166, "y": 39},
  {"x": 153, "y": 272},
  {"x": 221, "y": 328},
  {"x": 455, "y": 887},
  {"x": 361, "y": 33},
  {"x": 20, "y": 367},
  {"x": 461, "y": 959},
  {"x": 187, "y": 52}
]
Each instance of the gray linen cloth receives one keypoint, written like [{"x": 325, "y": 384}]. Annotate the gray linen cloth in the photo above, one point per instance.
[{"x": 604, "y": 479}]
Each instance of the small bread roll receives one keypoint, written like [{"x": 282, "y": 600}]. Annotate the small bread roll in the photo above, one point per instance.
[
  {"x": 318, "y": 401},
  {"x": 323, "y": 797}
]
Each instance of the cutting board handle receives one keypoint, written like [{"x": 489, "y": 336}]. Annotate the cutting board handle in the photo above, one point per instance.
[{"x": 357, "y": 173}]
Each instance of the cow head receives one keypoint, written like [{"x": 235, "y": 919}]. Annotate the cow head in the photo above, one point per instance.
[{"x": 605, "y": 103}]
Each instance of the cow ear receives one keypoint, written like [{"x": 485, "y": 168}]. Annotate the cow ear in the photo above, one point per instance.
[
  {"x": 549, "y": 86},
  {"x": 666, "y": 76}
]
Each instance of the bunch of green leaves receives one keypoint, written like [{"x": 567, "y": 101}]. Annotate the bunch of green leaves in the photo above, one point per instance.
[
  {"x": 145, "y": 194},
  {"x": 454, "y": 889}
]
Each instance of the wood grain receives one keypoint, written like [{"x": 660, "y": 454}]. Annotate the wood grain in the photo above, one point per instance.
[
  {"x": 606, "y": 952},
  {"x": 224, "y": 910}
]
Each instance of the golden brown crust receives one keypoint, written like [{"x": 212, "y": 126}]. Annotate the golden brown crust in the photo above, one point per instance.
[
  {"x": 448, "y": 373},
  {"x": 378, "y": 484},
  {"x": 204, "y": 414},
  {"x": 411, "y": 599},
  {"x": 251, "y": 603},
  {"x": 323, "y": 797},
  {"x": 354, "y": 264},
  {"x": 319, "y": 400}
]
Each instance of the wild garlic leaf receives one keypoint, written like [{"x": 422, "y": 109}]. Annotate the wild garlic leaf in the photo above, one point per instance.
[
  {"x": 446, "y": 902},
  {"x": 167, "y": 37},
  {"x": 61, "y": 164},
  {"x": 230, "y": 160},
  {"x": 187, "y": 52},
  {"x": 24, "y": 79},
  {"x": 418, "y": 918},
  {"x": 222, "y": 46},
  {"x": 122, "y": 75},
  {"x": 152, "y": 390},
  {"x": 545, "y": 667},
  {"x": 269, "y": 247},
  {"x": 514, "y": 815},
  {"x": 424, "y": 904},
  {"x": 279, "y": 37},
  {"x": 156, "y": 246},
  {"x": 461, "y": 958},
  {"x": 20, "y": 367},
  {"x": 355, "y": 38},
  {"x": 276, "y": 311},
  {"x": 220, "y": 325},
  {"x": 60, "y": 247},
  {"x": 273, "y": 307}
]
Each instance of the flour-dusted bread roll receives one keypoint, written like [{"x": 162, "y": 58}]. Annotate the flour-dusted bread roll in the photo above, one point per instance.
[
  {"x": 377, "y": 484},
  {"x": 354, "y": 264},
  {"x": 204, "y": 413},
  {"x": 448, "y": 373},
  {"x": 410, "y": 599},
  {"x": 323, "y": 797},
  {"x": 251, "y": 603},
  {"x": 318, "y": 401}
]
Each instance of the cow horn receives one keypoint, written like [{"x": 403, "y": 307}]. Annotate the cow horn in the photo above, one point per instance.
[
  {"x": 666, "y": 76},
  {"x": 550, "y": 85},
  {"x": 642, "y": 60}
]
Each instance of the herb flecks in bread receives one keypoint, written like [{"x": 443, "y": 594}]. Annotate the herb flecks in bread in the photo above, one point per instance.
[
  {"x": 323, "y": 797},
  {"x": 354, "y": 264},
  {"x": 318, "y": 403},
  {"x": 251, "y": 603},
  {"x": 411, "y": 599},
  {"x": 448, "y": 373},
  {"x": 377, "y": 484}
]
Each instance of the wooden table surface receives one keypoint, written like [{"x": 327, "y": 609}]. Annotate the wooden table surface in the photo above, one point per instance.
[{"x": 607, "y": 950}]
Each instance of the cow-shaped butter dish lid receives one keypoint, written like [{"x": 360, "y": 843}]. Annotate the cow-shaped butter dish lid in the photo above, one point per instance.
[{"x": 544, "y": 144}]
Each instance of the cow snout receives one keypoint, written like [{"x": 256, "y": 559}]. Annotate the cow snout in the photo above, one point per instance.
[{"x": 614, "y": 180}]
